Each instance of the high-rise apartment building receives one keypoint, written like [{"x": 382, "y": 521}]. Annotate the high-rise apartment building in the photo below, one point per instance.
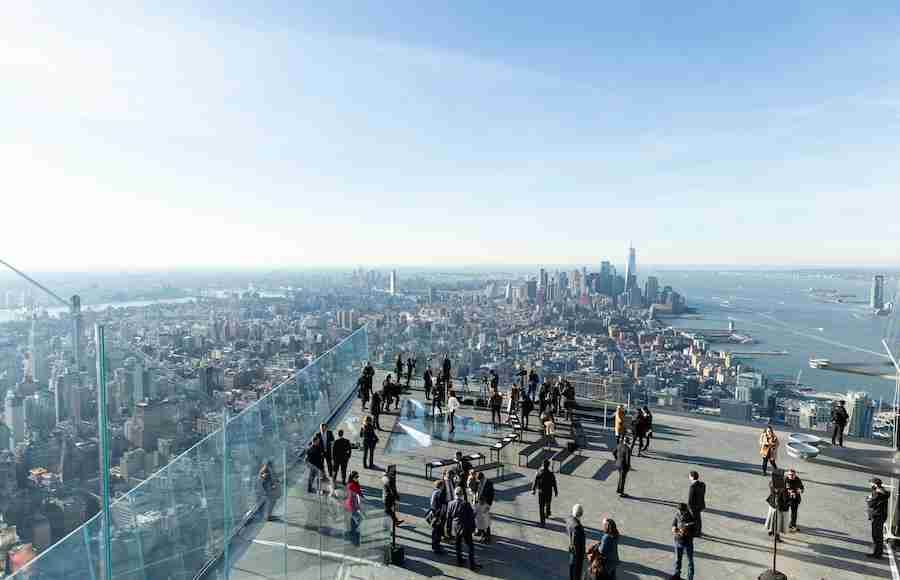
[
  {"x": 630, "y": 269},
  {"x": 862, "y": 414},
  {"x": 14, "y": 415},
  {"x": 877, "y": 298}
]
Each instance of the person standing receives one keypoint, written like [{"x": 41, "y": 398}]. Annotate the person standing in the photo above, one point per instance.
[
  {"x": 543, "y": 397},
  {"x": 568, "y": 394},
  {"x": 496, "y": 403},
  {"x": 620, "y": 423},
  {"x": 376, "y": 409},
  {"x": 623, "y": 465},
  {"x": 354, "y": 503},
  {"x": 527, "y": 407},
  {"x": 609, "y": 547},
  {"x": 429, "y": 383},
  {"x": 363, "y": 386},
  {"x": 544, "y": 485},
  {"x": 556, "y": 395},
  {"x": 460, "y": 513},
  {"x": 513, "y": 408},
  {"x": 341, "y": 451},
  {"x": 484, "y": 500},
  {"x": 495, "y": 380},
  {"x": 576, "y": 542},
  {"x": 390, "y": 498},
  {"x": 269, "y": 487},
  {"x": 437, "y": 506},
  {"x": 683, "y": 532},
  {"x": 839, "y": 418},
  {"x": 638, "y": 428},
  {"x": 452, "y": 405},
  {"x": 410, "y": 367},
  {"x": 697, "y": 502},
  {"x": 777, "y": 514},
  {"x": 445, "y": 368},
  {"x": 315, "y": 459},
  {"x": 387, "y": 392},
  {"x": 460, "y": 472},
  {"x": 437, "y": 398},
  {"x": 369, "y": 441},
  {"x": 795, "y": 493},
  {"x": 532, "y": 384},
  {"x": 648, "y": 417},
  {"x": 369, "y": 373},
  {"x": 768, "y": 449},
  {"x": 877, "y": 508},
  {"x": 326, "y": 444},
  {"x": 399, "y": 367}
]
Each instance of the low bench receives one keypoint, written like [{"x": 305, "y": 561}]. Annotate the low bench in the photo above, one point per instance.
[
  {"x": 498, "y": 465},
  {"x": 501, "y": 445},
  {"x": 529, "y": 450}
]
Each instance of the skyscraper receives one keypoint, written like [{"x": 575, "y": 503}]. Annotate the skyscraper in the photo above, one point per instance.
[
  {"x": 862, "y": 414},
  {"x": 630, "y": 269},
  {"x": 77, "y": 332},
  {"x": 393, "y": 283},
  {"x": 877, "y": 299},
  {"x": 651, "y": 289},
  {"x": 543, "y": 279}
]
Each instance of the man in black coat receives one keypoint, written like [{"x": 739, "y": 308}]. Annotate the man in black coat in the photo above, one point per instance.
[
  {"x": 462, "y": 518},
  {"x": 376, "y": 409},
  {"x": 438, "y": 507},
  {"x": 544, "y": 485},
  {"x": 697, "y": 502},
  {"x": 877, "y": 508},
  {"x": 486, "y": 497},
  {"x": 316, "y": 459},
  {"x": 623, "y": 464},
  {"x": 340, "y": 452},
  {"x": 839, "y": 418},
  {"x": 795, "y": 496},
  {"x": 576, "y": 542},
  {"x": 429, "y": 383},
  {"x": 527, "y": 408},
  {"x": 445, "y": 368},
  {"x": 326, "y": 444}
]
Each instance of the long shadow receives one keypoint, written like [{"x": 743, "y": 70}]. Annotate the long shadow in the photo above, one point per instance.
[
  {"x": 710, "y": 462},
  {"x": 417, "y": 562},
  {"x": 510, "y": 493},
  {"x": 844, "y": 486},
  {"x": 665, "y": 502},
  {"x": 855, "y": 467},
  {"x": 572, "y": 464},
  {"x": 833, "y": 535},
  {"x": 604, "y": 471},
  {"x": 736, "y": 515},
  {"x": 846, "y": 562}
]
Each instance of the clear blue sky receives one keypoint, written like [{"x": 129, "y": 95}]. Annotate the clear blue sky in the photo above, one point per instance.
[{"x": 450, "y": 132}]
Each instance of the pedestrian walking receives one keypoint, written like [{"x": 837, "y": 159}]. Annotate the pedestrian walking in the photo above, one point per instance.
[
  {"x": 839, "y": 419},
  {"x": 778, "y": 510},
  {"x": 638, "y": 429},
  {"x": 496, "y": 403},
  {"x": 648, "y": 417},
  {"x": 452, "y": 405},
  {"x": 341, "y": 451},
  {"x": 683, "y": 532},
  {"x": 619, "y": 424},
  {"x": 532, "y": 384},
  {"x": 544, "y": 485},
  {"x": 354, "y": 505},
  {"x": 484, "y": 502},
  {"x": 697, "y": 502},
  {"x": 369, "y": 441},
  {"x": 436, "y": 515},
  {"x": 623, "y": 464},
  {"x": 795, "y": 496},
  {"x": 362, "y": 385},
  {"x": 375, "y": 409},
  {"x": 462, "y": 517},
  {"x": 576, "y": 542},
  {"x": 768, "y": 448},
  {"x": 428, "y": 380},
  {"x": 877, "y": 508},
  {"x": 398, "y": 367}
]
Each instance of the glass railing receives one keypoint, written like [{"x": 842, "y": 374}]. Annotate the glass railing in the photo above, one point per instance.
[{"x": 182, "y": 521}]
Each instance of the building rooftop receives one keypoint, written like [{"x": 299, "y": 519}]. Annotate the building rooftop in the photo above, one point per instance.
[{"x": 832, "y": 542}]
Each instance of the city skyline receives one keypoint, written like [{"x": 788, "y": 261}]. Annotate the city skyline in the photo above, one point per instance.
[{"x": 308, "y": 137}]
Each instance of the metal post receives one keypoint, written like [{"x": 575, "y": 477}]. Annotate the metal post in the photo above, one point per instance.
[
  {"x": 226, "y": 494},
  {"x": 103, "y": 428}
]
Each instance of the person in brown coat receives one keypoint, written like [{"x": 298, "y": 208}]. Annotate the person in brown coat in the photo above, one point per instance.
[{"x": 768, "y": 449}]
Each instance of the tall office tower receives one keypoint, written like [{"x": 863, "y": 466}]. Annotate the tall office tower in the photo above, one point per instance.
[
  {"x": 576, "y": 283},
  {"x": 531, "y": 290},
  {"x": 77, "y": 332},
  {"x": 630, "y": 269},
  {"x": 137, "y": 385},
  {"x": 651, "y": 289},
  {"x": 877, "y": 301},
  {"x": 862, "y": 414},
  {"x": 392, "y": 289},
  {"x": 563, "y": 280},
  {"x": 605, "y": 282},
  {"x": 543, "y": 279},
  {"x": 14, "y": 416},
  {"x": 507, "y": 295}
]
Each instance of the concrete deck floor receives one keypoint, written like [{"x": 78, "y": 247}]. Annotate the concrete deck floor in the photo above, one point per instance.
[{"x": 831, "y": 544}]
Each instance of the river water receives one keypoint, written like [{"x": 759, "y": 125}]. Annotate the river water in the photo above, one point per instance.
[
  {"x": 779, "y": 312},
  {"x": 7, "y": 315}
]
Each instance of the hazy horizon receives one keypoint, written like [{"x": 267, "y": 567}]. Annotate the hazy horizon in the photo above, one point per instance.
[{"x": 308, "y": 134}]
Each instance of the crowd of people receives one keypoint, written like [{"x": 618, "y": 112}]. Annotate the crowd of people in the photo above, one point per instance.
[{"x": 461, "y": 501}]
